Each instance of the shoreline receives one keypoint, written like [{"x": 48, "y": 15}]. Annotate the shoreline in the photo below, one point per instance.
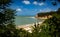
[
  {"x": 30, "y": 24},
  {"x": 27, "y": 27}
]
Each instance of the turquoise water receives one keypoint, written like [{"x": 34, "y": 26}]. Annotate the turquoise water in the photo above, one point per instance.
[{"x": 23, "y": 20}]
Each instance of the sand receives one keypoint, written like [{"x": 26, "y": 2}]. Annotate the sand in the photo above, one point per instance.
[{"x": 28, "y": 26}]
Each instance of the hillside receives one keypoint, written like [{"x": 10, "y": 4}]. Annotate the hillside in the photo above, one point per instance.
[{"x": 45, "y": 15}]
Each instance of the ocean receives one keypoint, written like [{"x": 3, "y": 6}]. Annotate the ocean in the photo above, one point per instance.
[{"x": 24, "y": 20}]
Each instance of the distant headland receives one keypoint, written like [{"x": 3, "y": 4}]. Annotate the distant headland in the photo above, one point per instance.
[{"x": 45, "y": 15}]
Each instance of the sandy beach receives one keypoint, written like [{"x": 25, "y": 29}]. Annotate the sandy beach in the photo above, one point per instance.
[{"x": 28, "y": 26}]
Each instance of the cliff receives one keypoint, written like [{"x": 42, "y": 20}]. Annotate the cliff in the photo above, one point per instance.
[{"x": 44, "y": 15}]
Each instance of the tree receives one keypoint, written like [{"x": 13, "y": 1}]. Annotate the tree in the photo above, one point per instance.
[
  {"x": 36, "y": 30},
  {"x": 1, "y": 17},
  {"x": 58, "y": 11},
  {"x": 7, "y": 27},
  {"x": 52, "y": 25},
  {"x": 9, "y": 15},
  {"x": 5, "y": 3}
]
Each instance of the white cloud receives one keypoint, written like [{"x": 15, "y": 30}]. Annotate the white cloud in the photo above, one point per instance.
[
  {"x": 18, "y": 9},
  {"x": 26, "y": 2},
  {"x": 35, "y": 2},
  {"x": 45, "y": 10},
  {"x": 41, "y": 3}
]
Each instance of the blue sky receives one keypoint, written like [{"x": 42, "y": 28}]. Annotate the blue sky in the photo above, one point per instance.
[{"x": 31, "y": 7}]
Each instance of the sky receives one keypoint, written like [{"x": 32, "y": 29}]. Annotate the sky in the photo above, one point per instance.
[{"x": 31, "y": 7}]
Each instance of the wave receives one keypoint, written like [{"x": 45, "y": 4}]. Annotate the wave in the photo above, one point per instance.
[{"x": 30, "y": 17}]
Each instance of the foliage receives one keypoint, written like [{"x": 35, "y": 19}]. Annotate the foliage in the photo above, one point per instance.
[
  {"x": 24, "y": 33},
  {"x": 5, "y": 3},
  {"x": 46, "y": 13},
  {"x": 36, "y": 30},
  {"x": 51, "y": 27},
  {"x": 7, "y": 27}
]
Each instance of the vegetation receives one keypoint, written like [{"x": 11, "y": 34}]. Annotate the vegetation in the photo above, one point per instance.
[
  {"x": 7, "y": 27},
  {"x": 49, "y": 28},
  {"x": 46, "y": 13}
]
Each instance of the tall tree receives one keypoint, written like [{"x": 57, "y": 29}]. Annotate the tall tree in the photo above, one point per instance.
[
  {"x": 7, "y": 17},
  {"x": 52, "y": 25},
  {"x": 5, "y": 3}
]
